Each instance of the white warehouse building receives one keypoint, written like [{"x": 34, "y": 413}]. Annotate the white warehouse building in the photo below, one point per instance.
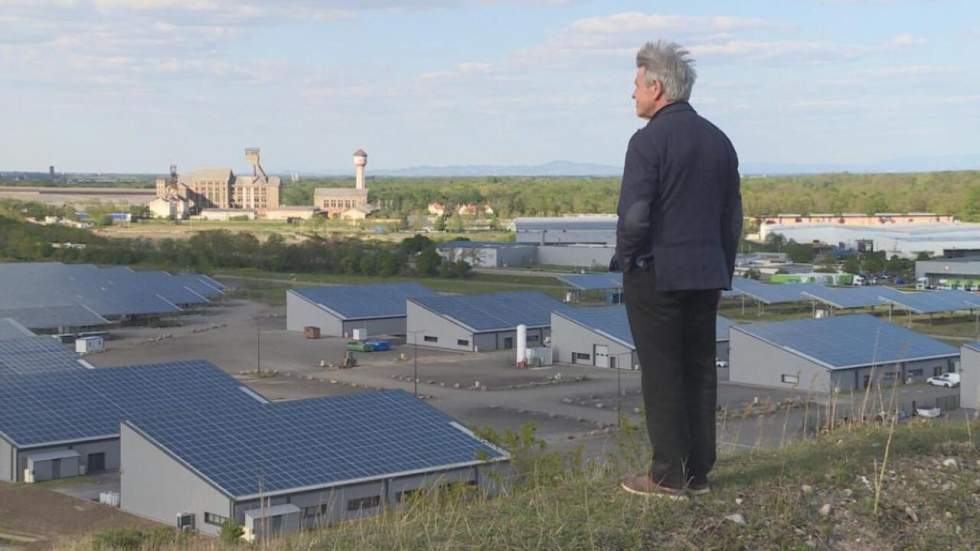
[{"x": 903, "y": 240}]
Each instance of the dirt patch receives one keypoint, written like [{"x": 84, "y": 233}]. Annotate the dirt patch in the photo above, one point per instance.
[{"x": 35, "y": 517}]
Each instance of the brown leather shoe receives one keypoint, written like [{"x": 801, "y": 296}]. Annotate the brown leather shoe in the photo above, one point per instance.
[{"x": 643, "y": 485}]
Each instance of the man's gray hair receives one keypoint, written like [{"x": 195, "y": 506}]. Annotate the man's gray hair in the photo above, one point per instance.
[{"x": 669, "y": 63}]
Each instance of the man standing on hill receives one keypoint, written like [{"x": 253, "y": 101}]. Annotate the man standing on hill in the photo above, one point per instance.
[{"x": 680, "y": 220}]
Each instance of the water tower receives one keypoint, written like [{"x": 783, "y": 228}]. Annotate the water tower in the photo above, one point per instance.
[{"x": 360, "y": 161}]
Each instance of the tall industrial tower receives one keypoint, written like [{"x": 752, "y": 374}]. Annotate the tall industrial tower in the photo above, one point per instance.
[
  {"x": 360, "y": 161},
  {"x": 252, "y": 156}
]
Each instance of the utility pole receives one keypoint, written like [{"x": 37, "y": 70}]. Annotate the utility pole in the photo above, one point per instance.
[{"x": 258, "y": 345}]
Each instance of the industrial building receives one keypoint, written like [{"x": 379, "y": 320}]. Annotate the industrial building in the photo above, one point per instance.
[
  {"x": 601, "y": 337},
  {"x": 489, "y": 254},
  {"x": 949, "y": 273},
  {"x": 280, "y": 467},
  {"x": 195, "y": 447},
  {"x": 480, "y": 322},
  {"x": 497, "y": 254},
  {"x": 860, "y": 220},
  {"x": 834, "y": 353},
  {"x": 904, "y": 240},
  {"x": 218, "y": 188},
  {"x": 339, "y": 310},
  {"x": 609, "y": 284},
  {"x": 346, "y": 202},
  {"x": 52, "y": 297},
  {"x": 970, "y": 376},
  {"x": 565, "y": 230}
]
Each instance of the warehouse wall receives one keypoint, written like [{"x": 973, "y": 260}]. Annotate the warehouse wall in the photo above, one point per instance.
[
  {"x": 301, "y": 313},
  {"x": 516, "y": 256},
  {"x": 969, "y": 378},
  {"x": 585, "y": 257},
  {"x": 376, "y": 327},
  {"x": 568, "y": 337},
  {"x": 756, "y": 362},
  {"x": 7, "y": 460},
  {"x": 109, "y": 447},
  {"x": 434, "y": 326},
  {"x": 154, "y": 485}
]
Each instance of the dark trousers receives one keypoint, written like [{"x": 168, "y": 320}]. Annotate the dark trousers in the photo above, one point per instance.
[{"x": 674, "y": 333}]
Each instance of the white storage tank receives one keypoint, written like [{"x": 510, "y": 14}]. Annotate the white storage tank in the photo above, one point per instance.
[{"x": 521, "y": 346}]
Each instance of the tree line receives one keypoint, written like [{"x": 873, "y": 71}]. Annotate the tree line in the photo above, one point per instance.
[
  {"x": 210, "y": 250},
  {"x": 954, "y": 192}
]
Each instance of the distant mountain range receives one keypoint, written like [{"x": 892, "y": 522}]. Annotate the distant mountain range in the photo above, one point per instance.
[
  {"x": 570, "y": 168},
  {"x": 554, "y": 168}
]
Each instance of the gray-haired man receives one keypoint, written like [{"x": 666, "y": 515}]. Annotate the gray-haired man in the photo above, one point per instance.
[{"x": 680, "y": 219}]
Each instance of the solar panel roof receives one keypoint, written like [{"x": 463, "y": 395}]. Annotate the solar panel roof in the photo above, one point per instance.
[
  {"x": 494, "y": 311},
  {"x": 973, "y": 345},
  {"x": 28, "y": 285},
  {"x": 594, "y": 282},
  {"x": 365, "y": 301},
  {"x": 612, "y": 322},
  {"x": 84, "y": 404},
  {"x": 316, "y": 442},
  {"x": 13, "y": 329},
  {"x": 158, "y": 283},
  {"x": 846, "y": 297},
  {"x": 770, "y": 293},
  {"x": 53, "y": 317},
  {"x": 201, "y": 284},
  {"x": 841, "y": 342},
  {"x": 27, "y": 355},
  {"x": 928, "y": 302}
]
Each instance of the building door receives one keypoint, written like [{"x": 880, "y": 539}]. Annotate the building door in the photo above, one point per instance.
[
  {"x": 55, "y": 468},
  {"x": 508, "y": 342},
  {"x": 601, "y": 355},
  {"x": 95, "y": 463},
  {"x": 937, "y": 371}
]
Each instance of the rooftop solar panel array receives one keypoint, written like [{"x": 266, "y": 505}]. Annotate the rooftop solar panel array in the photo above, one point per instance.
[
  {"x": 930, "y": 302},
  {"x": 314, "y": 442},
  {"x": 89, "y": 403},
  {"x": 770, "y": 293},
  {"x": 108, "y": 292},
  {"x": 849, "y": 341},
  {"x": 201, "y": 284},
  {"x": 159, "y": 283},
  {"x": 613, "y": 322},
  {"x": 594, "y": 282},
  {"x": 846, "y": 297},
  {"x": 365, "y": 301},
  {"x": 13, "y": 329},
  {"x": 53, "y": 317},
  {"x": 610, "y": 321},
  {"x": 28, "y": 355},
  {"x": 494, "y": 311}
]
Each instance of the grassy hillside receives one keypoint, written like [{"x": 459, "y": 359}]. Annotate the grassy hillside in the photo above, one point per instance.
[{"x": 817, "y": 494}]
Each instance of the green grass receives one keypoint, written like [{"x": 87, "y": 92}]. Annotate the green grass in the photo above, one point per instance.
[
  {"x": 269, "y": 287},
  {"x": 563, "y": 503}
]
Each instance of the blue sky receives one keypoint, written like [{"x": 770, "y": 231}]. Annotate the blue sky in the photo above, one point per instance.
[{"x": 131, "y": 85}]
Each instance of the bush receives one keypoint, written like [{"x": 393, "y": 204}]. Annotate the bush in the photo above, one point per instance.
[
  {"x": 123, "y": 538},
  {"x": 231, "y": 532}
]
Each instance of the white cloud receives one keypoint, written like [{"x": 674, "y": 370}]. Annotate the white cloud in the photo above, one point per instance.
[
  {"x": 906, "y": 39},
  {"x": 631, "y": 22}
]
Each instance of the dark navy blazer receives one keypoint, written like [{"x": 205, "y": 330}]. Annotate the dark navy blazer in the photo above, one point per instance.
[{"x": 680, "y": 204}]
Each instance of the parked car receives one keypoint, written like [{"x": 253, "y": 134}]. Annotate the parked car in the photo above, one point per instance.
[
  {"x": 721, "y": 364},
  {"x": 359, "y": 346},
  {"x": 947, "y": 380}
]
